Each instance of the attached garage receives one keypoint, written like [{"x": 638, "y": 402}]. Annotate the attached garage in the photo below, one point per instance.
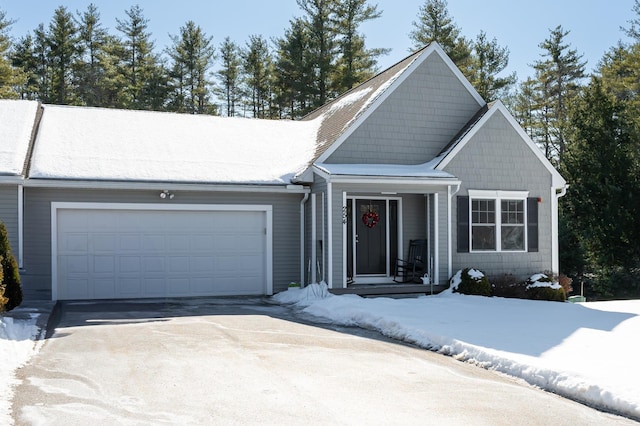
[{"x": 121, "y": 251}]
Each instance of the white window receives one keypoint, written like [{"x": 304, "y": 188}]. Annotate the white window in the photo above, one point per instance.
[{"x": 498, "y": 221}]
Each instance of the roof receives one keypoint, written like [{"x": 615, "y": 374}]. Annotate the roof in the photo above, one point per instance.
[
  {"x": 84, "y": 143},
  {"x": 17, "y": 120},
  {"x": 426, "y": 170}
]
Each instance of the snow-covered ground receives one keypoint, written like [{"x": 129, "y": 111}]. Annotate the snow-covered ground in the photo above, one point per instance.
[
  {"x": 18, "y": 342},
  {"x": 585, "y": 351}
]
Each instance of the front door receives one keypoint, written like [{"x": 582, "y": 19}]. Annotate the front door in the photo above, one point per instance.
[{"x": 371, "y": 237}]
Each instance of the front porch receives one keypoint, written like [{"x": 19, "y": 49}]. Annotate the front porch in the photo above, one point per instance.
[{"x": 389, "y": 289}]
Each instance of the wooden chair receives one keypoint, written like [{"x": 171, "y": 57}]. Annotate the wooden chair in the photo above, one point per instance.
[{"x": 413, "y": 268}]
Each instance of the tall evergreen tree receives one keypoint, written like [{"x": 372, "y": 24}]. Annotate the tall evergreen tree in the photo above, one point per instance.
[
  {"x": 90, "y": 73},
  {"x": 355, "y": 63},
  {"x": 487, "y": 61},
  {"x": 603, "y": 202},
  {"x": 63, "y": 53},
  {"x": 192, "y": 54},
  {"x": 44, "y": 68},
  {"x": 257, "y": 67},
  {"x": 139, "y": 60},
  {"x": 321, "y": 29},
  {"x": 10, "y": 77},
  {"x": 435, "y": 24},
  {"x": 10, "y": 277},
  {"x": 229, "y": 76},
  {"x": 24, "y": 58},
  {"x": 559, "y": 74}
]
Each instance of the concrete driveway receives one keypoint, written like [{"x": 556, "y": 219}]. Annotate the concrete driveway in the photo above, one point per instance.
[{"x": 245, "y": 361}]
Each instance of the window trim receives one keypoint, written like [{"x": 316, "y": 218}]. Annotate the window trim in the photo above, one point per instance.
[{"x": 498, "y": 197}]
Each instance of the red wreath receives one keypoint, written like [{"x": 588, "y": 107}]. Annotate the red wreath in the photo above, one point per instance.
[{"x": 370, "y": 219}]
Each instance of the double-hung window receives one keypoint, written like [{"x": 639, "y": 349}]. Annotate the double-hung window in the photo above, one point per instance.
[{"x": 498, "y": 221}]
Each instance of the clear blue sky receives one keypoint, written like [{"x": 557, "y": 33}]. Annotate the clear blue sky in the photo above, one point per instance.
[{"x": 594, "y": 25}]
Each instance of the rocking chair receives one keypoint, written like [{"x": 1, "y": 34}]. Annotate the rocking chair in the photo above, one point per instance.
[{"x": 414, "y": 267}]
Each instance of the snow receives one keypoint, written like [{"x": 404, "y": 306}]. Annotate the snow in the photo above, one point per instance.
[
  {"x": 121, "y": 145},
  {"x": 17, "y": 345},
  {"x": 16, "y": 124},
  {"x": 425, "y": 170},
  {"x": 581, "y": 351}
]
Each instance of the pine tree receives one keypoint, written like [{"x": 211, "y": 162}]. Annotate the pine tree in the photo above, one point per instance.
[
  {"x": 63, "y": 54},
  {"x": 435, "y": 24},
  {"x": 192, "y": 54},
  {"x": 24, "y": 58},
  {"x": 487, "y": 61},
  {"x": 10, "y": 77},
  {"x": 229, "y": 76},
  {"x": 320, "y": 27},
  {"x": 90, "y": 72},
  {"x": 10, "y": 277},
  {"x": 139, "y": 60},
  {"x": 257, "y": 68},
  {"x": 559, "y": 75},
  {"x": 355, "y": 63},
  {"x": 44, "y": 68},
  {"x": 603, "y": 202}
]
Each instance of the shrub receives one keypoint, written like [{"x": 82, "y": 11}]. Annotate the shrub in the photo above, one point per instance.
[
  {"x": 3, "y": 300},
  {"x": 542, "y": 287},
  {"x": 507, "y": 285},
  {"x": 470, "y": 281},
  {"x": 11, "y": 281}
]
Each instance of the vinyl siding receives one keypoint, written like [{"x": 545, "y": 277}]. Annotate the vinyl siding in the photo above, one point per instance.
[
  {"x": 9, "y": 214},
  {"x": 415, "y": 122},
  {"x": 37, "y": 234},
  {"x": 498, "y": 159}
]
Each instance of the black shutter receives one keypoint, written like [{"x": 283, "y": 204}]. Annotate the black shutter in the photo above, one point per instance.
[
  {"x": 532, "y": 224},
  {"x": 463, "y": 224}
]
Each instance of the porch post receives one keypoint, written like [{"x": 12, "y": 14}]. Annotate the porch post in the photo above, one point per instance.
[
  {"x": 314, "y": 236},
  {"x": 20, "y": 226},
  {"x": 344, "y": 239},
  {"x": 329, "y": 249},
  {"x": 449, "y": 253},
  {"x": 436, "y": 244}
]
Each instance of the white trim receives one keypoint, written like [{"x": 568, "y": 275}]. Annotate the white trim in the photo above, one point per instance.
[
  {"x": 329, "y": 249},
  {"x": 56, "y": 206},
  {"x": 555, "y": 250},
  {"x": 20, "y": 226},
  {"x": 173, "y": 186},
  {"x": 344, "y": 239},
  {"x": 302, "y": 239},
  {"x": 557, "y": 180},
  {"x": 314, "y": 237},
  {"x": 497, "y": 197},
  {"x": 449, "y": 251},
  {"x": 432, "y": 48},
  {"x": 436, "y": 245},
  {"x": 507, "y": 195}
]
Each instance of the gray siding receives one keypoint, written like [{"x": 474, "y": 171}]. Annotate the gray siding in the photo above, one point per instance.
[
  {"x": 415, "y": 122},
  {"x": 9, "y": 214},
  {"x": 498, "y": 159},
  {"x": 37, "y": 233}
]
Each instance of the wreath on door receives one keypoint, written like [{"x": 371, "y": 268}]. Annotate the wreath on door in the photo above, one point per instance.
[{"x": 370, "y": 219}]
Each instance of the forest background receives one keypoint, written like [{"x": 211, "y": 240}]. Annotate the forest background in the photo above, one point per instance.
[{"x": 586, "y": 123}]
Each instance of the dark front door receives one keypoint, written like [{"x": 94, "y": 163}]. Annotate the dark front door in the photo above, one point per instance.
[{"x": 371, "y": 236}]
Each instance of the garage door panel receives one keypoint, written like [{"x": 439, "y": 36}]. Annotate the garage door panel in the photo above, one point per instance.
[{"x": 147, "y": 253}]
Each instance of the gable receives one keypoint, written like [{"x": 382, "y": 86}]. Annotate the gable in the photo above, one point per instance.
[
  {"x": 416, "y": 120},
  {"x": 496, "y": 157}
]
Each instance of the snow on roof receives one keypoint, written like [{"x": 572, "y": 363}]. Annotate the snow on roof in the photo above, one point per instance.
[
  {"x": 425, "y": 170},
  {"x": 109, "y": 144},
  {"x": 16, "y": 125}
]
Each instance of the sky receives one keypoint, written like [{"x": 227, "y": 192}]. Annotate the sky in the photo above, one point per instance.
[{"x": 521, "y": 26}]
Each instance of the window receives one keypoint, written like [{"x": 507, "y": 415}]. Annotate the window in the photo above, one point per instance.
[{"x": 497, "y": 221}]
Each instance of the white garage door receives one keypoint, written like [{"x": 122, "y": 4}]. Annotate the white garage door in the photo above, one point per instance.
[{"x": 113, "y": 254}]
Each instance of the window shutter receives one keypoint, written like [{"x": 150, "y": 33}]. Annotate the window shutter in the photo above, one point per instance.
[
  {"x": 463, "y": 224},
  {"x": 532, "y": 224}
]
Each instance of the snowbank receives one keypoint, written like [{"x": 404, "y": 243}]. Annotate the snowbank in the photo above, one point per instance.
[{"x": 570, "y": 349}]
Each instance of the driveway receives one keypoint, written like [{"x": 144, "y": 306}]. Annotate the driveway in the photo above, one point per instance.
[{"x": 245, "y": 361}]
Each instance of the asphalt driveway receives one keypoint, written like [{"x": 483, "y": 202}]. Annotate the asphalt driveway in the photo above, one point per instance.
[{"x": 245, "y": 361}]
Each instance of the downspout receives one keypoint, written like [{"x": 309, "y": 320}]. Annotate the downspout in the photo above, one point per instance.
[
  {"x": 20, "y": 226},
  {"x": 449, "y": 242},
  {"x": 555, "y": 249},
  {"x": 302, "y": 239}
]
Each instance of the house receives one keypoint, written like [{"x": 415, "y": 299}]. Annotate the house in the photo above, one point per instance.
[{"x": 108, "y": 204}]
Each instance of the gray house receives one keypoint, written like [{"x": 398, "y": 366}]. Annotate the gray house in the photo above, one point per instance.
[{"x": 108, "y": 204}]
